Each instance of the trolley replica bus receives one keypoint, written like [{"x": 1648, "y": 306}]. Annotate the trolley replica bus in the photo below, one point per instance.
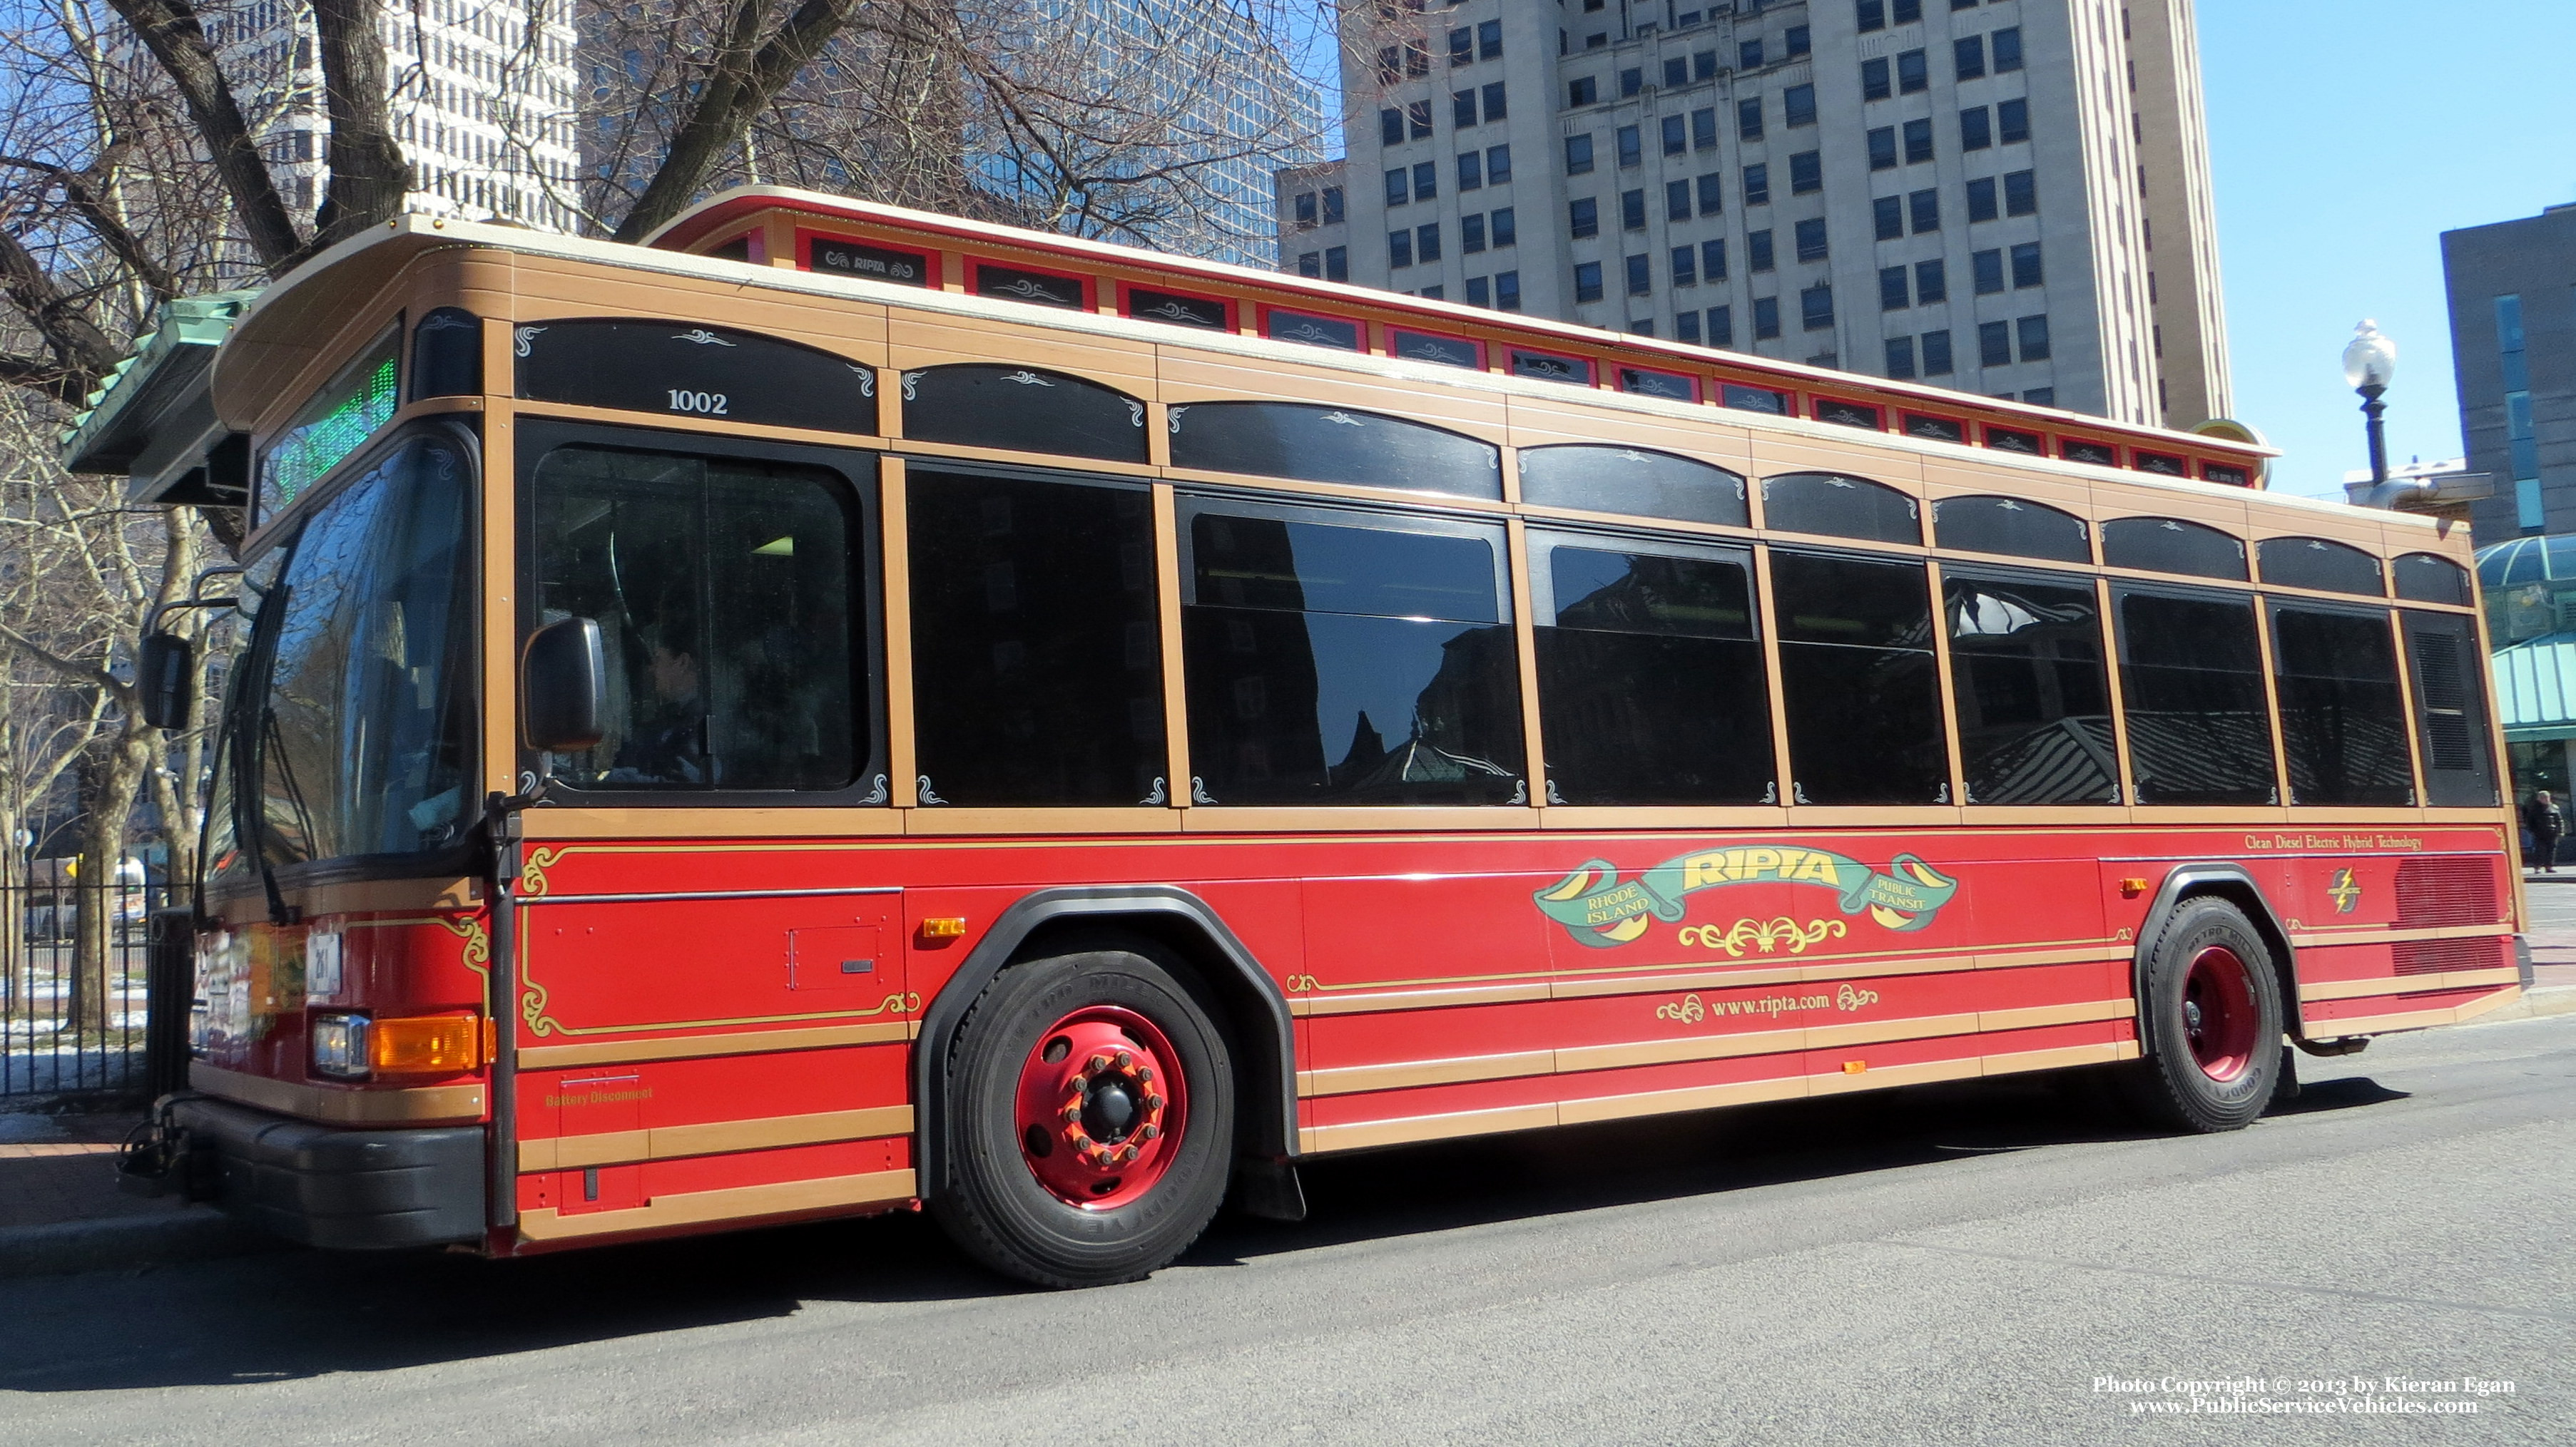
[{"x": 843, "y": 710}]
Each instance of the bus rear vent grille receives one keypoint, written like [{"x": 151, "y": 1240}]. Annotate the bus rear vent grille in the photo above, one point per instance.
[
  {"x": 2446, "y": 889},
  {"x": 2434, "y": 957}
]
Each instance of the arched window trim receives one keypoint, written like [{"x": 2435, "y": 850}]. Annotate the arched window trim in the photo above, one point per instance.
[
  {"x": 2244, "y": 548},
  {"x": 2378, "y": 566},
  {"x": 1913, "y": 503},
  {"x": 2083, "y": 526},
  {"x": 910, "y": 383},
  {"x": 1489, "y": 476}
]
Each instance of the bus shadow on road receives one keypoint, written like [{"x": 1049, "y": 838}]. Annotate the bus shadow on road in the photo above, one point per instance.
[
  {"x": 1569, "y": 1169},
  {"x": 303, "y": 1314},
  {"x": 2345, "y": 1093},
  {"x": 1580, "y": 1168}
]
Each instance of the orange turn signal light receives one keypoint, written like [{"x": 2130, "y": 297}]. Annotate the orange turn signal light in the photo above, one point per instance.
[
  {"x": 1855, "y": 1067},
  {"x": 944, "y": 927},
  {"x": 2132, "y": 888},
  {"x": 426, "y": 1045}
]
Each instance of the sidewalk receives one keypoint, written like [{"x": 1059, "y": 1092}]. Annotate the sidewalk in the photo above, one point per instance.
[{"x": 61, "y": 1210}]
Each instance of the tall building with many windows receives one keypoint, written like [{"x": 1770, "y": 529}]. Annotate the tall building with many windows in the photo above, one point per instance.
[
  {"x": 2513, "y": 351},
  {"x": 482, "y": 97},
  {"x": 1314, "y": 216},
  {"x": 2010, "y": 197}
]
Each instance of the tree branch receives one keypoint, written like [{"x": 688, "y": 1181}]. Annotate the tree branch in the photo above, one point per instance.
[
  {"x": 70, "y": 670},
  {"x": 170, "y": 29},
  {"x": 740, "y": 85},
  {"x": 104, "y": 224},
  {"x": 78, "y": 345},
  {"x": 47, "y": 377},
  {"x": 369, "y": 176}
]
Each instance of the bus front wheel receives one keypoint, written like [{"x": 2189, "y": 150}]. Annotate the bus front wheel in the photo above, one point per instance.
[
  {"x": 1092, "y": 1102},
  {"x": 2212, "y": 1009}
]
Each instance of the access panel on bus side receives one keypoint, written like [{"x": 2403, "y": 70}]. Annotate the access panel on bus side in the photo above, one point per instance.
[{"x": 699, "y": 1019}]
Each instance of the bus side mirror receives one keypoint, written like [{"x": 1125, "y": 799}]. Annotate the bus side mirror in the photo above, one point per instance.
[
  {"x": 164, "y": 669},
  {"x": 563, "y": 681}
]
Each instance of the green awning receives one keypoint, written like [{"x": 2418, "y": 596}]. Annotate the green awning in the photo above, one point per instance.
[
  {"x": 2535, "y": 684},
  {"x": 152, "y": 418}
]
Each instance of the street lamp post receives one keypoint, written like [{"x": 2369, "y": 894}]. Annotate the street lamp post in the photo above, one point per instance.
[{"x": 2369, "y": 361}]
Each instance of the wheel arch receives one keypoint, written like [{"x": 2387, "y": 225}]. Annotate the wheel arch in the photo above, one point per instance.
[
  {"x": 1166, "y": 914},
  {"x": 2235, "y": 884}
]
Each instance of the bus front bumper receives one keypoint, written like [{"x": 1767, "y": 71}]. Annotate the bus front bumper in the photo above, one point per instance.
[{"x": 342, "y": 1190}]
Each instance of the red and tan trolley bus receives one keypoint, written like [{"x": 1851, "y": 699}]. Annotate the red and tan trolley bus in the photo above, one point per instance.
[{"x": 843, "y": 710}]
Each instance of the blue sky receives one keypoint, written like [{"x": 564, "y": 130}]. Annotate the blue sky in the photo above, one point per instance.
[{"x": 2345, "y": 138}]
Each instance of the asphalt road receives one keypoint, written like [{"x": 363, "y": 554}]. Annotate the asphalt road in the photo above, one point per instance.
[{"x": 1961, "y": 1263}]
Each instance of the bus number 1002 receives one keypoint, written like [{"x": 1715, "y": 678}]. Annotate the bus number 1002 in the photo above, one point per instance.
[{"x": 710, "y": 403}]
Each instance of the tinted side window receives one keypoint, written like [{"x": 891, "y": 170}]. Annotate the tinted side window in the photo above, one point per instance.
[
  {"x": 2343, "y": 722},
  {"x": 666, "y": 367},
  {"x": 2191, "y": 683},
  {"x": 2170, "y": 545},
  {"x": 1037, "y": 674},
  {"x": 1330, "y": 444},
  {"x": 1023, "y": 411},
  {"x": 2032, "y": 691},
  {"x": 447, "y": 354},
  {"x": 2444, "y": 660},
  {"x": 1627, "y": 480},
  {"x": 2316, "y": 563},
  {"x": 725, "y": 591},
  {"x": 2011, "y": 526},
  {"x": 1334, "y": 659},
  {"x": 2425, "y": 578},
  {"x": 1858, "y": 682},
  {"x": 1835, "y": 506},
  {"x": 1651, "y": 688}
]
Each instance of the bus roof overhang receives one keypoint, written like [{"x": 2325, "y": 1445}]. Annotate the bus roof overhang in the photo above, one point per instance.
[{"x": 154, "y": 419}]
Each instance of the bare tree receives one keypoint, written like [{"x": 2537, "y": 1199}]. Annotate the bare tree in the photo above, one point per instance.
[
  {"x": 137, "y": 164},
  {"x": 83, "y": 570},
  {"x": 1150, "y": 121}
]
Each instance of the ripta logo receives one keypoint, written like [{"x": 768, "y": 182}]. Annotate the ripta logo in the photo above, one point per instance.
[
  {"x": 1601, "y": 910},
  {"x": 2345, "y": 891}
]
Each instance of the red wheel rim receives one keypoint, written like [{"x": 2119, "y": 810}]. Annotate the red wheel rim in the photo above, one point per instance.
[
  {"x": 2218, "y": 1014},
  {"x": 1101, "y": 1107}
]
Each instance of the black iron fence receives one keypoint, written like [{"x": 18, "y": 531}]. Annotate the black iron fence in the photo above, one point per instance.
[{"x": 74, "y": 977}]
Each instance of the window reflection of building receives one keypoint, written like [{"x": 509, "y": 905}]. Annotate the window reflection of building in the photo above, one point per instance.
[{"x": 1328, "y": 662}]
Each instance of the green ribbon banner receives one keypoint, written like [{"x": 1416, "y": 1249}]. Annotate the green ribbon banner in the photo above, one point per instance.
[{"x": 1601, "y": 910}]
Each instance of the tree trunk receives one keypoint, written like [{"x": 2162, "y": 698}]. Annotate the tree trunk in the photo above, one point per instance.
[{"x": 120, "y": 772}]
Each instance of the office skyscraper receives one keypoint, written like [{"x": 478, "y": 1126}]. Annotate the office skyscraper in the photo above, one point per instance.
[
  {"x": 2010, "y": 197},
  {"x": 482, "y": 102},
  {"x": 2513, "y": 350}
]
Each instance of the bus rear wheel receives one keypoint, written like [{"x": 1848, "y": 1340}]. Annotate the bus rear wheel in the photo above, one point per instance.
[
  {"x": 1092, "y": 1112},
  {"x": 2213, "y": 1016}
]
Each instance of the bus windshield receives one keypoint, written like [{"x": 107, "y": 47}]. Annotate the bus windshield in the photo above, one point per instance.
[{"x": 350, "y": 727}]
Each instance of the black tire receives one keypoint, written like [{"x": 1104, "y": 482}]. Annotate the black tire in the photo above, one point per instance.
[
  {"x": 2213, "y": 1056},
  {"x": 992, "y": 1202}
]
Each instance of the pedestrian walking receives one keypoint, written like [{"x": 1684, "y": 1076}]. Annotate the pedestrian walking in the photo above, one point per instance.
[{"x": 2541, "y": 818}]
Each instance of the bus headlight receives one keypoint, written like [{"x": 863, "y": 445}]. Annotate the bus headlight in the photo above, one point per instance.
[
  {"x": 354, "y": 1047},
  {"x": 340, "y": 1047}
]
